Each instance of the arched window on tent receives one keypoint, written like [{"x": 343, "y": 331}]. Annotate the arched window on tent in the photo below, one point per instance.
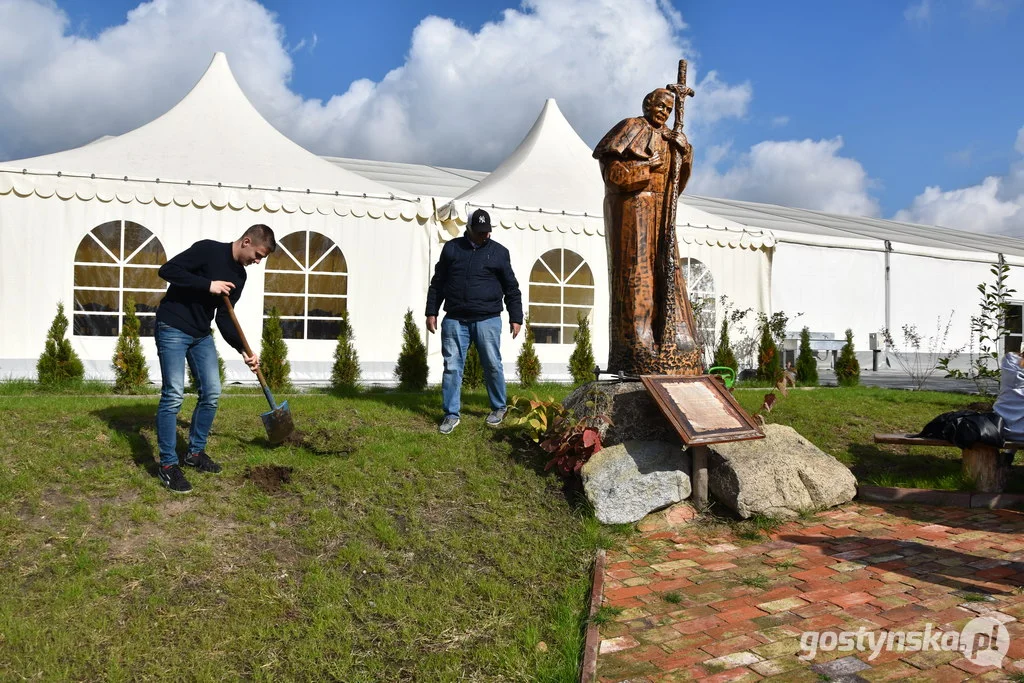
[
  {"x": 307, "y": 281},
  {"x": 116, "y": 261},
  {"x": 700, "y": 286},
  {"x": 561, "y": 285}
]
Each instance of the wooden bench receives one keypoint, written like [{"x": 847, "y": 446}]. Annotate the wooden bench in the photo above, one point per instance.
[{"x": 982, "y": 464}]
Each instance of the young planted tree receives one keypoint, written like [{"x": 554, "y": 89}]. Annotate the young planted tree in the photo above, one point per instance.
[
  {"x": 274, "y": 354},
  {"x": 769, "y": 360},
  {"x": 473, "y": 371},
  {"x": 724, "y": 357},
  {"x": 130, "y": 370},
  {"x": 528, "y": 364},
  {"x": 806, "y": 363},
  {"x": 345, "y": 373},
  {"x": 411, "y": 369},
  {"x": 847, "y": 367},
  {"x": 59, "y": 364},
  {"x": 581, "y": 362}
]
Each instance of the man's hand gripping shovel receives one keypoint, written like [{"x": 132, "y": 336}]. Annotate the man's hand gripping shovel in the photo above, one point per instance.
[{"x": 278, "y": 421}]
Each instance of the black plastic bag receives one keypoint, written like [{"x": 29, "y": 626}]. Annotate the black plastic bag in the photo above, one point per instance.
[{"x": 966, "y": 428}]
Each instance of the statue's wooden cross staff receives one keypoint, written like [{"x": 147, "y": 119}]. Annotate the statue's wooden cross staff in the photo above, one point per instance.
[{"x": 667, "y": 248}]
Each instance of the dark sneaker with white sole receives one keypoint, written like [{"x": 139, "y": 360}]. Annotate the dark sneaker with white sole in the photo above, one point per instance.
[
  {"x": 174, "y": 479},
  {"x": 495, "y": 417},
  {"x": 448, "y": 424},
  {"x": 201, "y": 461}
]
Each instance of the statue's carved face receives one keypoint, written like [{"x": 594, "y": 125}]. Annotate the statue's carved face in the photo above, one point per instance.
[{"x": 657, "y": 107}]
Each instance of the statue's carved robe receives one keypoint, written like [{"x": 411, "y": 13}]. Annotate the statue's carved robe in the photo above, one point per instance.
[{"x": 634, "y": 198}]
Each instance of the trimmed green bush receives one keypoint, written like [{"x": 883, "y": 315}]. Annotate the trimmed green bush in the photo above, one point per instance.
[
  {"x": 473, "y": 371},
  {"x": 806, "y": 363},
  {"x": 274, "y": 354},
  {"x": 724, "y": 357},
  {"x": 581, "y": 362},
  {"x": 345, "y": 373},
  {"x": 130, "y": 370},
  {"x": 59, "y": 365},
  {"x": 528, "y": 364},
  {"x": 769, "y": 360},
  {"x": 411, "y": 370},
  {"x": 847, "y": 367}
]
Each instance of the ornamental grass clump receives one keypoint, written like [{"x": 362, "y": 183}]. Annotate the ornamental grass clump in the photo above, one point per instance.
[
  {"x": 274, "y": 354},
  {"x": 130, "y": 370},
  {"x": 59, "y": 365},
  {"x": 411, "y": 370}
]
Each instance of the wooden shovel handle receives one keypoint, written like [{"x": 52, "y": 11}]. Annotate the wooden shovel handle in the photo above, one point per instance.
[{"x": 245, "y": 342}]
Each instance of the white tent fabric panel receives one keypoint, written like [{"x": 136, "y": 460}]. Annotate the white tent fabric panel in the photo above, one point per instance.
[
  {"x": 920, "y": 297},
  {"x": 743, "y": 275},
  {"x": 834, "y": 289}
]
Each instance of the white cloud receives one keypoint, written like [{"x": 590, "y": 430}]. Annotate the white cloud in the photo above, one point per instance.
[
  {"x": 918, "y": 13},
  {"x": 803, "y": 173},
  {"x": 461, "y": 98},
  {"x": 995, "y": 205},
  {"x": 780, "y": 121}
]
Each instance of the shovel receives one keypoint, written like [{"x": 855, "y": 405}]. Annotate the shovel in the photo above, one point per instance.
[{"x": 278, "y": 421}]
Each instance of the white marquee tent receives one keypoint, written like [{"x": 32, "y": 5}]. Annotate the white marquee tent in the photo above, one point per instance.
[{"x": 89, "y": 227}]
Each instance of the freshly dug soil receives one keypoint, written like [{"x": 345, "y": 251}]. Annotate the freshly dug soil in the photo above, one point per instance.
[{"x": 269, "y": 478}]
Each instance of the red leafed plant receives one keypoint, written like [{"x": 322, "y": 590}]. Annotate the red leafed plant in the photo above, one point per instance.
[{"x": 570, "y": 440}]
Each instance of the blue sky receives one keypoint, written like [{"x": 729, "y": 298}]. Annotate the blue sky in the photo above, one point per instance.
[{"x": 851, "y": 107}]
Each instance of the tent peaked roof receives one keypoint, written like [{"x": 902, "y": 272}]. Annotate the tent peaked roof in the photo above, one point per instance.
[
  {"x": 212, "y": 136},
  {"x": 551, "y": 170}
]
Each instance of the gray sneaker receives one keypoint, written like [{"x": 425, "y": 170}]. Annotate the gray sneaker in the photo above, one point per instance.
[
  {"x": 448, "y": 424},
  {"x": 496, "y": 416}
]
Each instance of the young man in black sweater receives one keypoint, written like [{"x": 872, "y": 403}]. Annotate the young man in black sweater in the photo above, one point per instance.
[
  {"x": 199, "y": 277},
  {"x": 472, "y": 276}
]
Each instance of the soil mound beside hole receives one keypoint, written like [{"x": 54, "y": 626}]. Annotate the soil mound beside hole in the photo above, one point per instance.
[{"x": 269, "y": 478}]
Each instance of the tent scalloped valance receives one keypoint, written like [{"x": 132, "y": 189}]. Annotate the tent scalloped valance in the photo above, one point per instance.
[{"x": 203, "y": 196}]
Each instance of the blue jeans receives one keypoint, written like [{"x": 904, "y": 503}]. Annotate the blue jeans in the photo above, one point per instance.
[
  {"x": 455, "y": 338},
  {"x": 175, "y": 348}
]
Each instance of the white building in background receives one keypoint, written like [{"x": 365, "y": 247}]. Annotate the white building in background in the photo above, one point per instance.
[{"x": 90, "y": 226}]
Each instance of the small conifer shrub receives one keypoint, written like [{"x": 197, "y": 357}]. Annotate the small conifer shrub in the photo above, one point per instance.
[
  {"x": 806, "y": 364},
  {"x": 581, "y": 362},
  {"x": 769, "y": 360},
  {"x": 528, "y": 364},
  {"x": 130, "y": 370},
  {"x": 59, "y": 365},
  {"x": 724, "y": 357},
  {"x": 847, "y": 367},
  {"x": 411, "y": 370},
  {"x": 274, "y": 354},
  {"x": 345, "y": 373},
  {"x": 473, "y": 371}
]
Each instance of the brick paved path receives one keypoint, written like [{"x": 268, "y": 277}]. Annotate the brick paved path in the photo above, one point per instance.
[{"x": 681, "y": 605}]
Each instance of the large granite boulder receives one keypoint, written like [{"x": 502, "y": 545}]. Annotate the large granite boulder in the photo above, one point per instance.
[
  {"x": 626, "y": 481},
  {"x": 634, "y": 414},
  {"x": 779, "y": 475}
]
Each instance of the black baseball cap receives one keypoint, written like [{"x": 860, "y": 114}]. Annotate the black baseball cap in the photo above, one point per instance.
[{"x": 480, "y": 221}]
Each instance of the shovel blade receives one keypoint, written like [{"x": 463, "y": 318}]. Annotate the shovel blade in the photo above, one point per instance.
[{"x": 278, "y": 423}]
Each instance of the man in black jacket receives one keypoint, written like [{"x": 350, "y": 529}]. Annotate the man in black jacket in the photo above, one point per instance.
[
  {"x": 199, "y": 277},
  {"x": 472, "y": 276}
]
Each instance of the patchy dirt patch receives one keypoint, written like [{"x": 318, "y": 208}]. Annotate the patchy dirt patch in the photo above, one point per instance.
[
  {"x": 322, "y": 440},
  {"x": 269, "y": 478}
]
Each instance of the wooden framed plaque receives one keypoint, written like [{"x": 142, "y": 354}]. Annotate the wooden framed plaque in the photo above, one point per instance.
[{"x": 701, "y": 409}]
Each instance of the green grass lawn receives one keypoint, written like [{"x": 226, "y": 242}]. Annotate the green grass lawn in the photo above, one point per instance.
[
  {"x": 842, "y": 422},
  {"x": 394, "y": 553}
]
